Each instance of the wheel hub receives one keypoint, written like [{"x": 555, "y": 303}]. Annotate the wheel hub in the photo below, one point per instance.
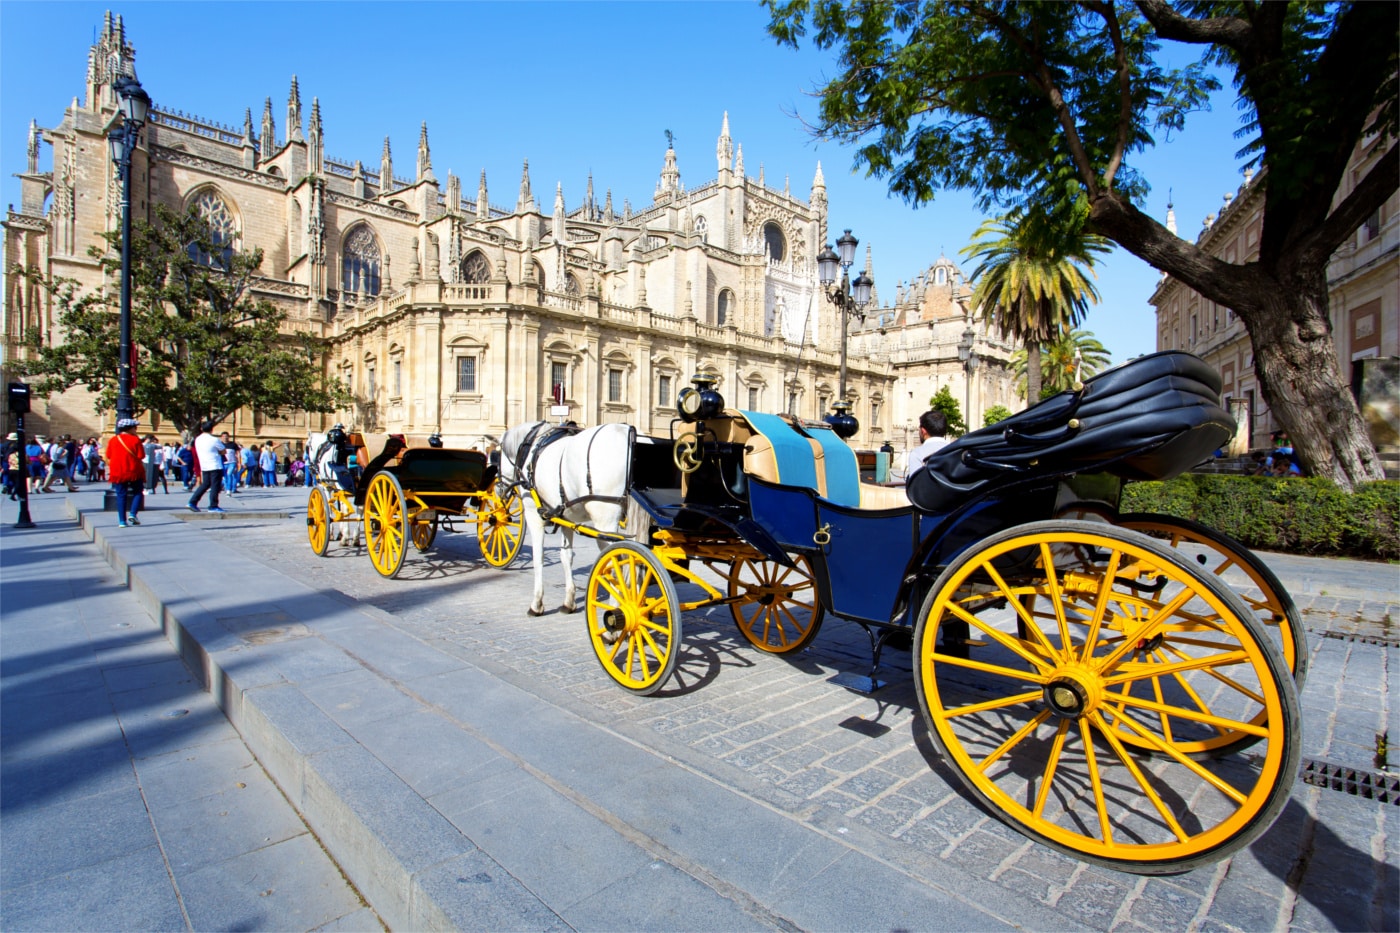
[{"x": 1073, "y": 693}]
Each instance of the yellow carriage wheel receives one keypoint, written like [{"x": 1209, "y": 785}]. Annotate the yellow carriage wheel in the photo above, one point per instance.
[
  {"x": 780, "y": 612},
  {"x": 634, "y": 618},
  {"x": 386, "y": 523},
  {"x": 500, "y": 525},
  {"x": 1073, "y": 724},
  {"x": 423, "y": 530},
  {"x": 1274, "y": 607},
  {"x": 318, "y": 522}
]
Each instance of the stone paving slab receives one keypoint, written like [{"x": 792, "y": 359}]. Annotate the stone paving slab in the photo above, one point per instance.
[
  {"x": 769, "y": 729},
  {"x": 127, "y": 799}
]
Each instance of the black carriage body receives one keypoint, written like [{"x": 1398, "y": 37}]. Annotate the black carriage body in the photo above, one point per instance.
[
  {"x": 1152, "y": 418},
  {"x": 443, "y": 477}
]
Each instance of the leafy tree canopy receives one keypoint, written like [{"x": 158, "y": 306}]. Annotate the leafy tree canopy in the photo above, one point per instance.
[
  {"x": 994, "y": 414},
  {"x": 1077, "y": 355},
  {"x": 943, "y": 401},
  {"x": 205, "y": 344},
  {"x": 1043, "y": 107}
]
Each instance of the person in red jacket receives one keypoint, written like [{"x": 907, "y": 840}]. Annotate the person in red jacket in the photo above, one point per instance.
[{"x": 127, "y": 471}]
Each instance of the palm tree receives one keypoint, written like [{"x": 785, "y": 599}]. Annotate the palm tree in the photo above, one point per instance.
[
  {"x": 1031, "y": 281},
  {"x": 1077, "y": 354}
]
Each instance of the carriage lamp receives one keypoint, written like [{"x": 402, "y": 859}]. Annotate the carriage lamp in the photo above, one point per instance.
[
  {"x": 850, "y": 299},
  {"x": 135, "y": 107},
  {"x": 699, "y": 400}
]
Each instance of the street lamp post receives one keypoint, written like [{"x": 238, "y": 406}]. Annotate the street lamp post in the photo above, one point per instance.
[
  {"x": 968, "y": 356},
  {"x": 135, "y": 105},
  {"x": 850, "y": 298}
]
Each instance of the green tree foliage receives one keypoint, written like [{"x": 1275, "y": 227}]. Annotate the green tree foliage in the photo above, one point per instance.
[
  {"x": 1076, "y": 355},
  {"x": 943, "y": 401},
  {"x": 994, "y": 414},
  {"x": 206, "y": 345},
  {"x": 1044, "y": 106},
  {"x": 1032, "y": 279}
]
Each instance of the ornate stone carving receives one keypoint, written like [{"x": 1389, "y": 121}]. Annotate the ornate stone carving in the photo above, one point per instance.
[{"x": 181, "y": 157}]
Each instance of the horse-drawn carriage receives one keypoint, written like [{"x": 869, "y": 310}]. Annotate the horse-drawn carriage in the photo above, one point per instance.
[
  {"x": 404, "y": 494},
  {"x": 1090, "y": 675}
]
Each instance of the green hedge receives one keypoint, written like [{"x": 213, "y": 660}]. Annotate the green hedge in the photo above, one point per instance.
[{"x": 1301, "y": 516}]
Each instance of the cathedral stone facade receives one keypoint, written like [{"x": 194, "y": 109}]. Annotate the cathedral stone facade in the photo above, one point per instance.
[{"x": 446, "y": 311}]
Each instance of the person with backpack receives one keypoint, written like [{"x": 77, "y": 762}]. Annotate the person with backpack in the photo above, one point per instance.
[{"x": 125, "y": 461}]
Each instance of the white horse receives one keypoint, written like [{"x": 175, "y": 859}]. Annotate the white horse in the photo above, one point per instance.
[
  {"x": 583, "y": 478},
  {"x": 320, "y": 461}
]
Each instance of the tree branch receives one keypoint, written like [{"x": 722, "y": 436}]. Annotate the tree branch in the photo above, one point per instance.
[
  {"x": 1230, "y": 31},
  {"x": 1367, "y": 197},
  {"x": 1125, "y": 90}
]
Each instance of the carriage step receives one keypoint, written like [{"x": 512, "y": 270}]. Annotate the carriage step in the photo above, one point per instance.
[{"x": 966, "y": 642}]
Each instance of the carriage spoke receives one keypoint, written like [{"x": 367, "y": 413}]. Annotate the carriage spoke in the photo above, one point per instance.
[
  {"x": 1210, "y": 719},
  {"x": 1167, "y": 816},
  {"x": 986, "y": 668},
  {"x": 1056, "y": 599},
  {"x": 1006, "y": 641},
  {"x": 1026, "y": 616},
  {"x": 1052, "y": 763},
  {"x": 1166, "y": 748},
  {"x": 1100, "y": 607},
  {"x": 998, "y": 703},
  {"x": 1015, "y": 739},
  {"x": 1096, "y": 780}
]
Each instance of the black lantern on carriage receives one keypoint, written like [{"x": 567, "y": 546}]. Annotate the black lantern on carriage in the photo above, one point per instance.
[{"x": 699, "y": 400}]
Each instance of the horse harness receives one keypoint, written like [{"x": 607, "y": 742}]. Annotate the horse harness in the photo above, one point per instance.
[{"x": 541, "y": 436}]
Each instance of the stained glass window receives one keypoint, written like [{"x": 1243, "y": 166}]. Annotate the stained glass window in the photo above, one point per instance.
[
  {"x": 359, "y": 264},
  {"x": 223, "y": 231},
  {"x": 476, "y": 269}
]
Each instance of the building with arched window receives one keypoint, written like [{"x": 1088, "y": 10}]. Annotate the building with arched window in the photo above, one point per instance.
[{"x": 466, "y": 315}]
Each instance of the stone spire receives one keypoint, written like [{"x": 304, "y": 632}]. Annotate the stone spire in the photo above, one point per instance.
[
  {"x": 33, "y": 149},
  {"x": 315, "y": 142},
  {"x": 425, "y": 159},
  {"x": 870, "y": 274},
  {"x": 483, "y": 207},
  {"x": 787, "y": 186},
  {"x": 454, "y": 193},
  {"x": 589, "y": 205},
  {"x": 670, "y": 183},
  {"x": 818, "y": 199},
  {"x": 386, "y": 169},
  {"x": 526, "y": 202},
  {"x": 739, "y": 163},
  {"x": 294, "y": 112},
  {"x": 761, "y": 182},
  {"x": 559, "y": 213},
  {"x": 248, "y": 137},
  {"x": 269, "y": 131},
  {"x": 608, "y": 216},
  {"x": 724, "y": 149},
  {"x": 1171, "y": 214}
]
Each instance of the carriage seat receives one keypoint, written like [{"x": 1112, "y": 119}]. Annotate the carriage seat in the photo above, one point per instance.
[
  {"x": 808, "y": 456},
  {"x": 443, "y": 470},
  {"x": 1151, "y": 418}
]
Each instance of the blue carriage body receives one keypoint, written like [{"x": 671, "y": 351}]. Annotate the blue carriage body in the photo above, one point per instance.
[{"x": 786, "y": 487}]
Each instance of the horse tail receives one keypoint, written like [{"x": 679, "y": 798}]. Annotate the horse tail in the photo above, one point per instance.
[{"x": 637, "y": 521}]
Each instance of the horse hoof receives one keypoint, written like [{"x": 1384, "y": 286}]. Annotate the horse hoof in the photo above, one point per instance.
[
  {"x": 534, "y": 612},
  {"x": 568, "y": 609}
]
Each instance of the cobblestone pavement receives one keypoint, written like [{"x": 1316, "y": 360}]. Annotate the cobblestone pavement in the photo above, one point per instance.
[{"x": 867, "y": 766}]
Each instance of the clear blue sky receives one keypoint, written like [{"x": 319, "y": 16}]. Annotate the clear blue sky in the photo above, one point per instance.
[{"x": 572, "y": 86}]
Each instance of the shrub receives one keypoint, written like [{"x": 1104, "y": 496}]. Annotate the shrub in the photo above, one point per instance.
[{"x": 1303, "y": 516}]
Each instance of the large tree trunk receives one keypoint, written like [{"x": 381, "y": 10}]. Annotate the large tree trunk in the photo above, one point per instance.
[
  {"x": 1295, "y": 359},
  {"x": 1033, "y": 375},
  {"x": 1285, "y": 311}
]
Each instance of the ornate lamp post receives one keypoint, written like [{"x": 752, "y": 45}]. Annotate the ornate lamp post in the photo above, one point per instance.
[
  {"x": 135, "y": 105},
  {"x": 969, "y": 358},
  {"x": 850, "y": 298}
]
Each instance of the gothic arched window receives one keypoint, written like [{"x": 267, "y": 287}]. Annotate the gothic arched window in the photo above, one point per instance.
[
  {"x": 359, "y": 262},
  {"x": 702, "y": 228},
  {"x": 723, "y": 306},
  {"x": 476, "y": 268},
  {"x": 571, "y": 286},
  {"x": 774, "y": 240},
  {"x": 223, "y": 229}
]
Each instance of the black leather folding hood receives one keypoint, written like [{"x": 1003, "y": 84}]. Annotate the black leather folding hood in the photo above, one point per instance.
[{"x": 1152, "y": 418}]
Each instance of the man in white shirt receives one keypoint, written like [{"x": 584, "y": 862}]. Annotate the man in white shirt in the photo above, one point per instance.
[
  {"x": 209, "y": 454},
  {"x": 933, "y": 430}
]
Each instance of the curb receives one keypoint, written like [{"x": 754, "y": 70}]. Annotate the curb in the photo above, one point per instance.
[{"x": 391, "y": 844}]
